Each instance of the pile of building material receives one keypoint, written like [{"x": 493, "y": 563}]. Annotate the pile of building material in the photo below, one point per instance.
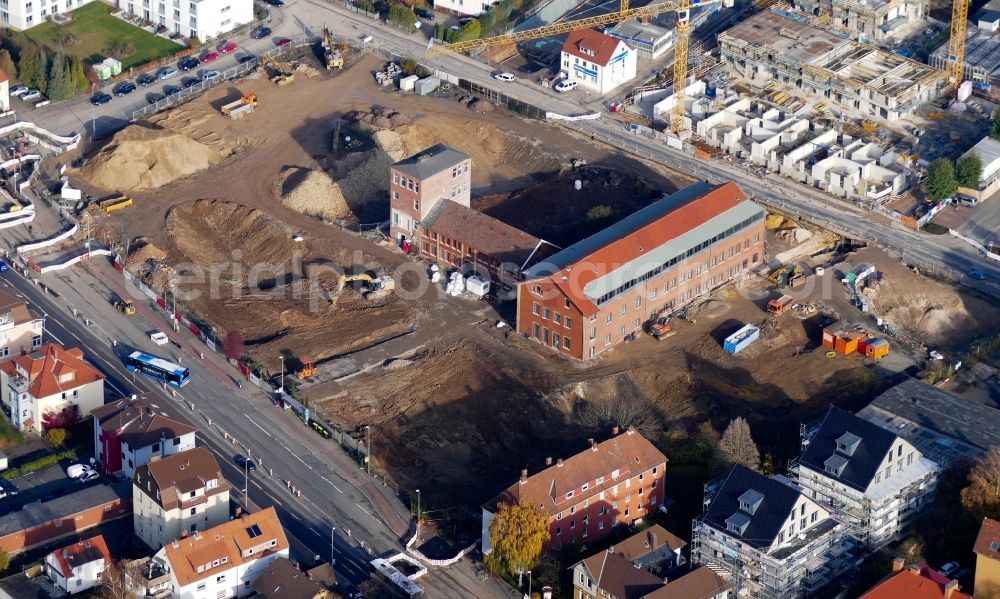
[
  {"x": 456, "y": 284},
  {"x": 312, "y": 192},
  {"x": 387, "y": 76}
]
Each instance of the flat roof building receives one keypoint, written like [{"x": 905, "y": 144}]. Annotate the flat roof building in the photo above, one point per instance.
[
  {"x": 988, "y": 150},
  {"x": 981, "y": 64},
  {"x": 650, "y": 40}
]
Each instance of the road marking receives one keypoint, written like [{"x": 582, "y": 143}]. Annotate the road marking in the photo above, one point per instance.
[
  {"x": 296, "y": 456},
  {"x": 362, "y": 508},
  {"x": 257, "y": 425}
]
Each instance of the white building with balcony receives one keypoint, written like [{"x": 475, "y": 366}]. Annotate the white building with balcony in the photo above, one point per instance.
[
  {"x": 24, "y": 14},
  {"x": 203, "y": 19},
  {"x": 19, "y": 330}
]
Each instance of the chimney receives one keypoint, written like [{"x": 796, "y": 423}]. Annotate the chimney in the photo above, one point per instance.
[
  {"x": 593, "y": 444},
  {"x": 559, "y": 463},
  {"x": 614, "y": 430},
  {"x": 548, "y": 461},
  {"x": 524, "y": 475},
  {"x": 239, "y": 511},
  {"x": 950, "y": 588},
  {"x": 154, "y": 458},
  {"x": 184, "y": 534},
  {"x": 898, "y": 564},
  {"x": 652, "y": 540}
]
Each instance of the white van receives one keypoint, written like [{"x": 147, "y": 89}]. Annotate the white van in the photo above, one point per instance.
[
  {"x": 966, "y": 200},
  {"x": 565, "y": 86}
]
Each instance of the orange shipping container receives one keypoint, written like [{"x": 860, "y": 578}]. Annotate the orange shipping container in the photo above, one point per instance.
[{"x": 876, "y": 348}]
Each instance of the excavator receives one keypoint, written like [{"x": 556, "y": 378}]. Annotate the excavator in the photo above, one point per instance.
[
  {"x": 375, "y": 287},
  {"x": 125, "y": 306},
  {"x": 283, "y": 74},
  {"x": 331, "y": 56},
  {"x": 660, "y": 328}
]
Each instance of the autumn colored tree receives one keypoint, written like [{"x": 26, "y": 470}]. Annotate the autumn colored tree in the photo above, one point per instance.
[
  {"x": 737, "y": 444},
  {"x": 518, "y": 533},
  {"x": 4, "y": 560},
  {"x": 981, "y": 496},
  {"x": 56, "y": 437},
  {"x": 65, "y": 418},
  {"x": 232, "y": 345}
]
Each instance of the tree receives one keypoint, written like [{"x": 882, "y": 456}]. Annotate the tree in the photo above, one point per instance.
[
  {"x": 487, "y": 21},
  {"x": 30, "y": 66},
  {"x": 737, "y": 444},
  {"x": 912, "y": 549},
  {"x": 65, "y": 418},
  {"x": 58, "y": 84},
  {"x": 518, "y": 533},
  {"x": 402, "y": 16},
  {"x": 626, "y": 408},
  {"x": 767, "y": 466},
  {"x": 968, "y": 170},
  {"x": 232, "y": 345},
  {"x": 194, "y": 43},
  {"x": 600, "y": 212},
  {"x": 4, "y": 560},
  {"x": 995, "y": 125},
  {"x": 117, "y": 580},
  {"x": 470, "y": 31},
  {"x": 56, "y": 437},
  {"x": 7, "y": 64},
  {"x": 981, "y": 496},
  {"x": 940, "y": 182}
]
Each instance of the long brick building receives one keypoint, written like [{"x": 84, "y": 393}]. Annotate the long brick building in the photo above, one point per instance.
[
  {"x": 586, "y": 298},
  {"x": 614, "y": 482}
]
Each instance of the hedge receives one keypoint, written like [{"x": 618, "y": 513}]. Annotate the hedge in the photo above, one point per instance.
[{"x": 40, "y": 463}]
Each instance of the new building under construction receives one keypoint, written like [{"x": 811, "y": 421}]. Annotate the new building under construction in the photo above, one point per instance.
[
  {"x": 862, "y": 80},
  {"x": 867, "y": 21}
]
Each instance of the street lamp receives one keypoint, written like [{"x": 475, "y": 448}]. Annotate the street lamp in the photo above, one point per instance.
[
  {"x": 246, "y": 481},
  {"x": 281, "y": 382},
  {"x": 368, "y": 457},
  {"x": 529, "y": 583},
  {"x": 418, "y": 507}
]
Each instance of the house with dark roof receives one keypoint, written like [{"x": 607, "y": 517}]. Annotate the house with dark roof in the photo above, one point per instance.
[
  {"x": 987, "y": 550},
  {"x": 78, "y": 567},
  {"x": 130, "y": 431},
  {"x": 784, "y": 543},
  {"x": 590, "y": 296},
  {"x": 873, "y": 481},
  {"x": 615, "y": 482},
  {"x": 283, "y": 580},
  {"x": 418, "y": 183},
  {"x": 916, "y": 581},
  {"x": 597, "y": 61},
  {"x": 47, "y": 381},
  {"x": 179, "y": 494}
]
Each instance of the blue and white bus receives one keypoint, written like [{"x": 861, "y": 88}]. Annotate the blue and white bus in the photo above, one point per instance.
[{"x": 158, "y": 368}]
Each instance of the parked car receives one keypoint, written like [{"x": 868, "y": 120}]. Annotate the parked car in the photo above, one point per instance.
[
  {"x": 18, "y": 90},
  {"x": 170, "y": 89},
  {"x": 425, "y": 14},
  {"x": 977, "y": 275},
  {"x": 247, "y": 58},
  {"x": 227, "y": 48},
  {"x": 154, "y": 98},
  {"x": 8, "y": 486},
  {"x": 186, "y": 64},
  {"x": 159, "y": 338},
  {"x": 282, "y": 42},
  {"x": 145, "y": 79},
  {"x": 101, "y": 98},
  {"x": 277, "y": 3},
  {"x": 167, "y": 73},
  {"x": 125, "y": 89},
  {"x": 205, "y": 76},
  {"x": 78, "y": 471},
  {"x": 190, "y": 81},
  {"x": 260, "y": 33},
  {"x": 3, "y": 266},
  {"x": 948, "y": 569},
  {"x": 31, "y": 95},
  {"x": 503, "y": 76},
  {"x": 565, "y": 86},
  {"x": 209, "y": 56},
  {"x": 88, "y": 476},
  {"x": 243, "y": 462}
]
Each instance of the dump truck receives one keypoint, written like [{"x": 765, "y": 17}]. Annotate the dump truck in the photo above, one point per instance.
[
  {"x": 778, "y": 306},
  {"x": 116, "y": 203},
  {"x": 240, "y": 108},
  {"x": 331, "y": 56},
  {"x": 375, "y": 287}
]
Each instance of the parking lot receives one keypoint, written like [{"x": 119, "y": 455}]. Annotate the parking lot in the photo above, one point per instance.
[
  {"x": 45, "y": 484},
  {"x": 981, "y": 222}
]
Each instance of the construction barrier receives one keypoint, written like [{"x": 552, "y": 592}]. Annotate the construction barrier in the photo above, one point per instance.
[
  {"x": 583, "y": 117},
  {"x": 23, "y": 218},
  {"x": 28, "y": 247},
  {"x": 71, "y": 261}
]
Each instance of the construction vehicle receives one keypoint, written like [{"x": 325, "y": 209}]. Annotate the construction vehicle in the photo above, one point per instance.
[
  {"x": 375, "y": 287},
  {"x": 778, "y": 306},
  {"x": 240, "y": 108},
  {"x": 125, "y": 306},
  {"x": 660, "y": 328},
  {"x": 308, "y": 369},
  {"x": 283, "y": 74},
  {"x": 682, "y": 31},
  {"x": 331, "y": 56},
  {"x": 116, "y": 203}
]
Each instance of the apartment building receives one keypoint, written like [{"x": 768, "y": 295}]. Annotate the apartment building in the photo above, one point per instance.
[
  {"x": 776, "y": 541},
  {"x": 224, "y": 561},
  {"x": 182, "y": 493},
  {"x": 585, "y": 299},
  {"x": 596, "y": 61},
  {"x": 19, "y": 330},
  {"x": 24, "y": 14},
  {"x": 78, "y": 567},
  {"x": 871, "y": 480},
  {"x": 418, "y": 183},
  {"x": 283, "y": 580},
  {"x": 616, "y": 482},
  {"x": 131, "y": 431},
  {"x": 472, "y": 8},
  {"x": 47, "y": 381},
  {"x": 203, "y": 19},
  {"x": 916, "y": 580},
  {"x": 987, "y": 550}
]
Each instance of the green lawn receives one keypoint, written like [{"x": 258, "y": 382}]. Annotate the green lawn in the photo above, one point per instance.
[{"x": 93, "y": 29}]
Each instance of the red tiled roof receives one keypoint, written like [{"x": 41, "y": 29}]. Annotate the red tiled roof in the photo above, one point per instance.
[
  {"x": 914, "y": 582},
  {"x": 480, "y": 231},
  {"x": 988, "y": 540},
  {"x": 46, "y": 367},
  {"x": 700, "y": 583},
  {"x": 571, "y": 281},
  {"x": 629, "y": 453},
  {"x": 81, "y": 552},
  {"x": 591, "y": 45}
]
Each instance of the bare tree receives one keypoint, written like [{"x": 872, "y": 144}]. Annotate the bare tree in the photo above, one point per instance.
[
  {"x": 737, "y": 444},
  {"x": 981, "y": 497},
  {"x": 627, "y": 408},
  {"x": 120, "y": 580}
]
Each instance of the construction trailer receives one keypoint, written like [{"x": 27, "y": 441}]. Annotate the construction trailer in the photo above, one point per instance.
[
  {"x": 741, "y": 339},
  {"x": 843, "y": 336},
  {"x": 873, "y": 347}
]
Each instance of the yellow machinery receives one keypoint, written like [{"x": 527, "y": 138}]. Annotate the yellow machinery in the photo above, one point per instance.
[
  {"x": 308, "y": 369},
  {"x": 283, "y": 74},
  {"x": 682, "y": 32},
  {"x": 125, "y": 306},
  {"x": 240, "y": 108},
  {"x": 331, "y": 56},
  {"x": 956, "y": 42},
  {"x": 375, "y": 287},
  {"x": 117, "y": 203}
]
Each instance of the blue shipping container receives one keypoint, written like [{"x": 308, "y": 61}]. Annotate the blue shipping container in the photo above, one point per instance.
[{"x": 742, "y": 338}]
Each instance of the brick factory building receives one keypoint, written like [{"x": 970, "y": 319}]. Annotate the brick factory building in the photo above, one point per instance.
[
  {"x": 418, "y": 183},
  {"x": 588, "y": 297}
]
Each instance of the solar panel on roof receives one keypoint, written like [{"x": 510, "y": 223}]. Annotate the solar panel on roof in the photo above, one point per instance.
[{"x": 254, "y": 531}]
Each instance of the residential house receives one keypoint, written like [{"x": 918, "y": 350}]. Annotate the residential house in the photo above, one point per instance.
[
  {"x": 4, "y": 93},
  {"x": 24, "y": 14},
  {"x": 916, "y": 581},
  {"x": 631, "y": 567},
  {"x": 987, "y": 550},
  {"x": 130, "y": 431},
  {"x": 586, "y": 299},
  {"x": 472, "y": 8},
  {"x": 785, "y": 544},
  {"x": 203, "y": 19},
  {"x": 597, "y": 62},
  {"x": 701, "y": 583},
  {"x": 40, "y": 523},
  {"x": 46, "y": 381},
  {"x": 78, "y": 567},
  {"x": 20, "y": 332},
  {"x": 283, "y": 580},
  {"x": 988, "y": 151},
  {"x": 224, "y": 561},
  {"x": 418, "y": 183},
  {"x": 616, "y": 482},
  {"x": 872, "y": 481},
  {"x": 185, "y": 492}
]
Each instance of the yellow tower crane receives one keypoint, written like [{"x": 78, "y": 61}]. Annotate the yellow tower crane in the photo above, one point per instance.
[
  {"x": 682, "y": 32},
  {"x": 956, "y": 42}
]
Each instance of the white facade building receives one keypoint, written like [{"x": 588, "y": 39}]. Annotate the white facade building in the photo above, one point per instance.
[
  {"x": 23, "y": 14},
  {"x": 204, "y": 19},
  {"x": 463, "y": 7},
  {"x": 596, "y": 61},
  {"x": 78, "y": 567}
]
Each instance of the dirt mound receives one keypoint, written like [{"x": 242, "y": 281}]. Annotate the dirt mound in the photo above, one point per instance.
[
  {"x": 147, "y": 157},
  {"x": 485, "y": 143},
  {"x": 481, "y": 106},
  {"x": 311, "y": 192},
  {"x": 391, "y": 143},
  {"x": 141, "y": 251},
  {"x": 364, "y": 182}
]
